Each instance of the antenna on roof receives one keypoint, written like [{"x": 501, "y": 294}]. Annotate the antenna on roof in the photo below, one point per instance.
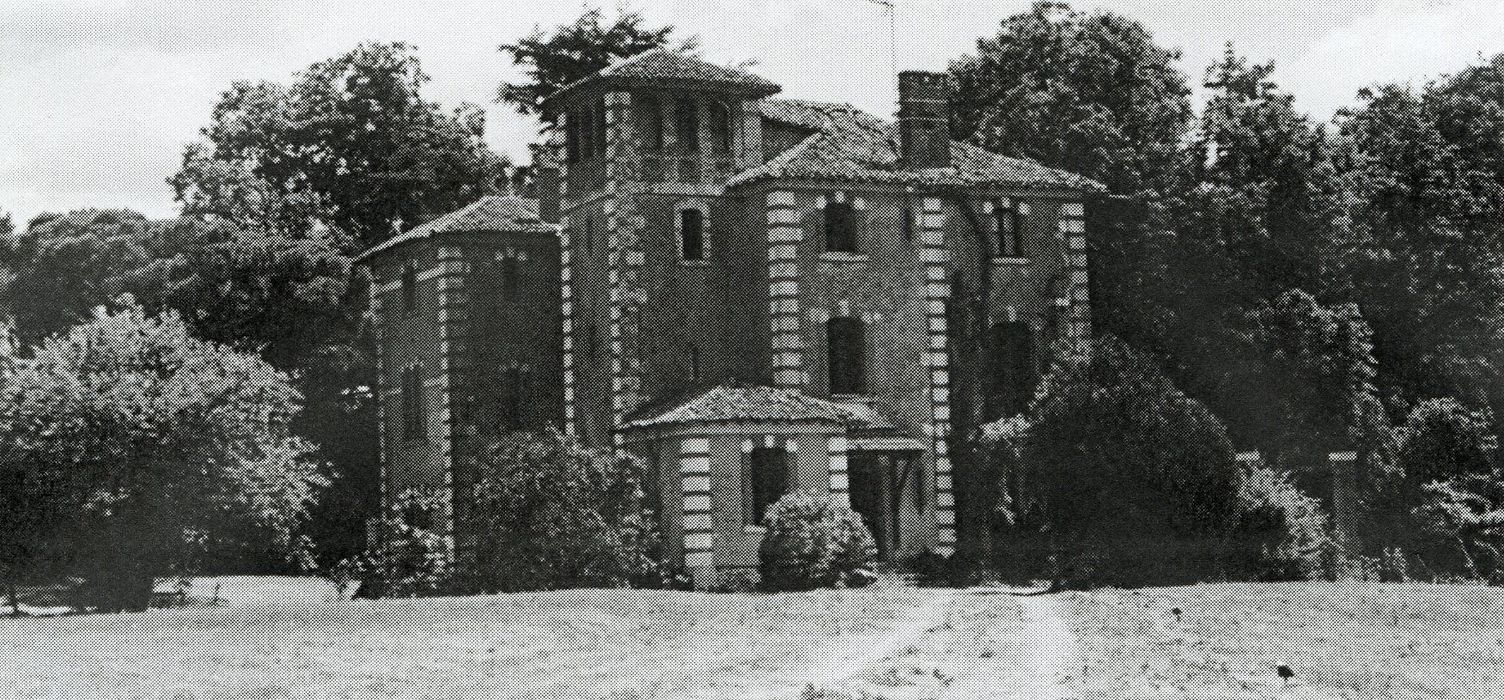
[{"x": 890, "y": 6}]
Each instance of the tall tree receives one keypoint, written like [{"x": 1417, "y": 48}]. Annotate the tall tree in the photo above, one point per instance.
[
  {"x": 551, "y": 60},
  {"x": 1090, "y": 92},
  {"x": 352, "y": 140}
]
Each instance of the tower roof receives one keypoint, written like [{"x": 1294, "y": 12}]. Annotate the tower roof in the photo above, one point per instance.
[{"x": 672, "y": 69}]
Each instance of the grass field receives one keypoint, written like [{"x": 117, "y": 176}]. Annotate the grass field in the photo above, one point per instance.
[
  {"x": 1341, "y": 640},
  {"x": 281, "y": 638}
]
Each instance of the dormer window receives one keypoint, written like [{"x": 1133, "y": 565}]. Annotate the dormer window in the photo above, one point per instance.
[
  {"x": 687, "y": 125},
  {"x": 691, "y": 235},
  {"x": 840, "y": 228},
  {"x": 1008, "y": 225}
]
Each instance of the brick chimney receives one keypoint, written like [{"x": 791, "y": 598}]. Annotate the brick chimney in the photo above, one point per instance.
[{"x": 923, "y": 119}]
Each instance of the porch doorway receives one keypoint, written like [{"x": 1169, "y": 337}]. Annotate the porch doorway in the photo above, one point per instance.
[{"x": 879, "y": 484}]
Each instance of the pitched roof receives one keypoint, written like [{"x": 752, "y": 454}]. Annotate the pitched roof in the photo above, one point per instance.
[
  {"x": 665, "y": 67},
  {"x": 850, "y": 145},
  {"x": 731, "y": 403},
  {"x": 497, "y": 213}
]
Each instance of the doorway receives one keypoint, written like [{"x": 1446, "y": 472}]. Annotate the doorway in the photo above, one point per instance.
[{"x": 879, "y": 482}]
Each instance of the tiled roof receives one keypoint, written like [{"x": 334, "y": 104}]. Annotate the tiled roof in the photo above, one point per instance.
[
  {"x": 852, "y": 146},
  {"x": 668, "y": 67},
  {"x": 501, "y": 214},
  {"x": 730, "y": 403}
]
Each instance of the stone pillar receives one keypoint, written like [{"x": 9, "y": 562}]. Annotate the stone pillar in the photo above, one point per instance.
[
  {"x": 840, "y": 483},
  {"x": 936, "y": 258},
  {"x": 1078, "y": 320},
  {"x": 1345, "y": 497},
  {"x": 699, "y": 518},
  {"x": 784, "y": 236},
  {"x": 624, "y": 259},
  {"x": 378, "y": 311},
  {"x": 566, "y": 280}
]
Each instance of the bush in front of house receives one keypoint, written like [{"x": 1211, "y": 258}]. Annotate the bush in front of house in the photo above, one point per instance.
[
  {"x": 814, "y": 541},
  {"x": 1281, "y": 533},
  {"x": 410, "y": 559},
  {"x": 1126, "y": 480},
  {"x": 557, "y": 514}
]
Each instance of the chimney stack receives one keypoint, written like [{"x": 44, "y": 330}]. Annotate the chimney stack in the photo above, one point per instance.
[{"x": 924, "y": 119}]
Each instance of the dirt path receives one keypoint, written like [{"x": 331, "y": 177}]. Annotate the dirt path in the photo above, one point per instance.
[{"x": 991, "y": 644}]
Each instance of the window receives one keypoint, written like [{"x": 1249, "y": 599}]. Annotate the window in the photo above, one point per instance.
[
  {"x": 846, "y": 343},
  {"x": 587, "y": 134},
  {"x": 508, "y": 274},
  {"x": 598, "y": 125},
  {"x": 1008, "y": 223},
  {"x": 592, "y": 340},
  {"x": 764, "y": 481},
  {"x": 409, "y": 288},
  {"x": 572, "y": 135},
  {"x": 692, "y": 356},
  {"x": 588, "y": 240},
  {"x": 414, "y": 412},
  {"x": 651, "y": 112},
  {"x": 908, "y": 223},
  {"x": 720, "y": 128},
  {"x": 840, "y": 228},
  {"x": 691, "y": 234},
  {"x": 1013, "y": 375},
  {"x": 687, "y": 125},
  {"x": 514, "y": 389}
]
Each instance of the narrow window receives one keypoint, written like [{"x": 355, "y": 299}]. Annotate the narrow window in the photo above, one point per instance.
[
  {"x": 409, "y": 288},
  {"x": 693, "y": 360},
  {"x": 587, "y": 134},
  {"x": 592, "y": 340},
  {"x": 414, "y": 418},
  {"x": 908, "y": 223},
  {"x": 1008, "y": 223},
  {"x": 691, "y": 234},
  {"x": 765, "y": 480},
  {"x": 509, "y": 278},
  {"x": 599, "y": 125},
  {"x": 572, "y": 136},
  {"x": 840, "y": 228},
  {"x": 687, "y": 125},
  {"x": 514, "y": 386},
  {"x": 1014, "y": 375},
  {"x": 651, "y": 123},
  {"x": 589, "y": 238},
  {"x": 846, "y": 344},
  {"x": 720, "y": 128}
]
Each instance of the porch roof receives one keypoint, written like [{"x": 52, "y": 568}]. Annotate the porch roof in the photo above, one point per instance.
[{"x": 749, "y": 403}]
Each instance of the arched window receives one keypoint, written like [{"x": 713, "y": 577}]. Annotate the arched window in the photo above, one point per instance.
[
  {"x": 1013, "y": 373},
  {"x": 720, "y": 127},
  {"x": 765, "y": 479},
  {"x": 1007, "y": 222},
  {"x": 409, "y": 287},
  {"x": 691, "y": 234},
  {"x": 650, "y": 113},
  {"x": 687, "y": 124},
  {"x": 845, "y": 340},
  {"x": 840, "y": 228}
]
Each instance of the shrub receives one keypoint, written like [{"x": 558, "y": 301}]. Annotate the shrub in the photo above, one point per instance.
[
  {"x": 1281, "y": 534},
  {"x": 814, "y": 541},
  {"x": 1134, "y": 482},
  {"x": 411, "y": 558},
  {"x": 557, "y": 514}
]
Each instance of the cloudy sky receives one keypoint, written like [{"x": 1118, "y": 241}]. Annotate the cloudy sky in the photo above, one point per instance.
[{"x": 97, "y": 97}]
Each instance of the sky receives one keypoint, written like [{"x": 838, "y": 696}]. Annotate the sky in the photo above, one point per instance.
[{"x": 98, "y": 97}]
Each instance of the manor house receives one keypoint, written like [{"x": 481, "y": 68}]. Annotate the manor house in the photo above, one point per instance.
[{"x": 753, "y": 294}]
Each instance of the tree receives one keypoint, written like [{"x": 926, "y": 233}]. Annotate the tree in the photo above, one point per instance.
[
  {"x": 1089, "y": 92},
  {"x": 574, "y": 51},
  {"x": 1131, "y": 481},
  {"x": 130, "y": 443},
  {"x": 62, "y": 266},
  {"x": 350, "y": 142},
  {"x": 557, "y": 514}
]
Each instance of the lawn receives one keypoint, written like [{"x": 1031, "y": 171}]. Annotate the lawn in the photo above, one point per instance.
[
  {"x": 282, "y": 638},
  {"x": 1341, "y": 640}
]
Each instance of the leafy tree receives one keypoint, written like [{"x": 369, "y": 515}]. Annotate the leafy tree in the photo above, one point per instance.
[
  {"x": 64, "y": 265},
  {"x": 574, "y": 51},
  {"x": 1089, "y": 92},
  {"x": 129, "y": 443},
  {"x": 1444, "y": 440},
  {"x": 557, "y": 514},
  {"x": 1131, "y": 481},
  {"x": 351, "y": 142}
]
